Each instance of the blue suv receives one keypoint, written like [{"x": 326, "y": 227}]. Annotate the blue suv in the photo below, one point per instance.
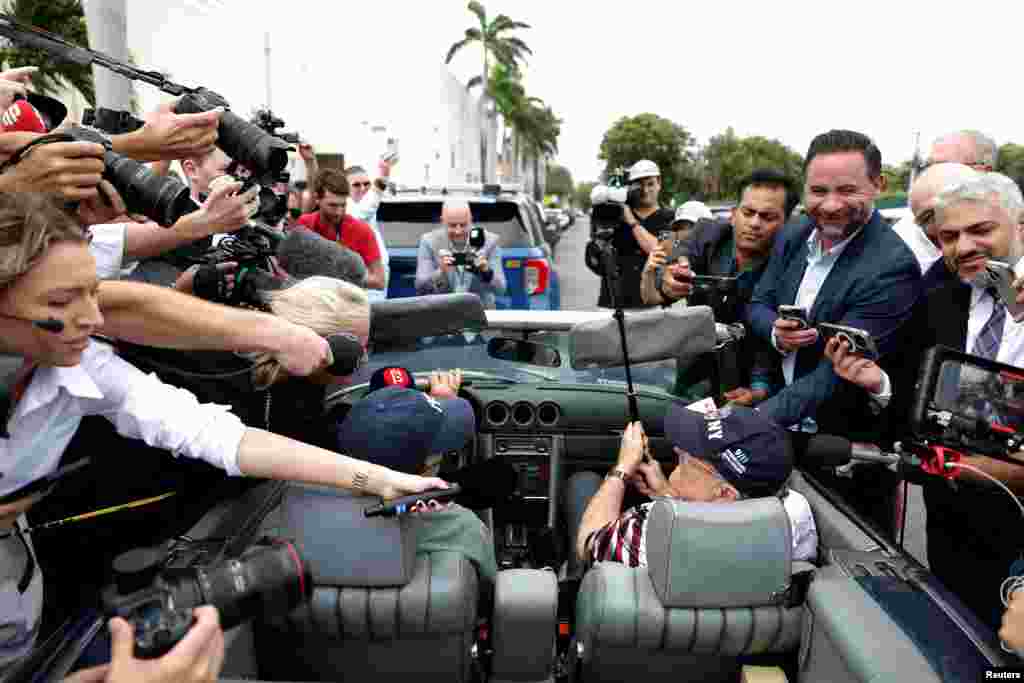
[{"x": 405, "y": 215}]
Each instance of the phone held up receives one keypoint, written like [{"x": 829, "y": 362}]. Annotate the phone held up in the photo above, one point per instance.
[
  {"x": 1000, "y": 275},
  {"x": 858, "y": 341},
  {"x": 795, "y": 313}
]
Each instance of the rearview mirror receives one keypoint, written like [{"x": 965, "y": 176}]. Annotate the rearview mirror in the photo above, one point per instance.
[
  {"x": 652, "y": 335},
  {"x": 522, "y": 351}
]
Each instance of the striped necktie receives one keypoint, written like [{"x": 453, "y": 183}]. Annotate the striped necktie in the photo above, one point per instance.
[{"x": 987, "y": 343}]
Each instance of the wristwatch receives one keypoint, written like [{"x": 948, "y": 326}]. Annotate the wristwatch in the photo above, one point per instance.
[{"x": 617, "y": 474}]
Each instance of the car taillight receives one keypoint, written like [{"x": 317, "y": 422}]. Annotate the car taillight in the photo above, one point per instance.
[{"x": 536, "y": 276}]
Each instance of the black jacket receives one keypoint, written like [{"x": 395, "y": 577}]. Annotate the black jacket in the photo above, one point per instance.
[
  {"x": 974, "y": 530},
  {"x": 631, "y": 259}
]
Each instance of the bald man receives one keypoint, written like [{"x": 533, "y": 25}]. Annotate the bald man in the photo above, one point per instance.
[
  {"x": 441, "y": 266},
  {"x": 919, "y": 230},
  {"x": 968, "y": 147}
]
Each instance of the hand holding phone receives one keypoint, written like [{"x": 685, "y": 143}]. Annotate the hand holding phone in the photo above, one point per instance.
[
  {"x": 859, "y": 342},
  {"x": 1000, "y": 276},
  {"x": 797, "y": 314}
]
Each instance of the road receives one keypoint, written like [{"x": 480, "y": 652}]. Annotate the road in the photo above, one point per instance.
[{"x": 580, "y": 289}]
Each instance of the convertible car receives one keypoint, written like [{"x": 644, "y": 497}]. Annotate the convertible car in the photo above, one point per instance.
[{"x": 721, "y": 599}]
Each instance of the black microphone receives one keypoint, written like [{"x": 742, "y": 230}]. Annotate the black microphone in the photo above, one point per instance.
[
  {"x": 399, "y": 506},
  {"x": 304, "y": 253},
  {"x": 477, "y": 238},
  {"x": 347, "y": 354},
  {"x": 51, "y": 325},
  {"x": 834, "y": 451},
  {"x": 485, "y": 484}
]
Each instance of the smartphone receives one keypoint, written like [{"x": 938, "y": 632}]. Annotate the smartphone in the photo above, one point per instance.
[
  {"x": 720, "y": 283},
  {"x": 1000, "y": 275},
  {"x": 666, "y": 241},
  {"x": 859, "y": 341},
  {"x": 461, "y": 258},
  {"x": 797, "y": 313}
]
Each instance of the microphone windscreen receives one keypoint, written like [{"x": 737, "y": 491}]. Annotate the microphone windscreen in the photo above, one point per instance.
[
  {"x": 303, "y": 253},
  {"x": 347, "y": 352},
  {"x": 484, "y": 484},
  {"x": 22, "y": 117},
  {"x": 477, "y": 238},
  {"x": 827, "y": 450}
]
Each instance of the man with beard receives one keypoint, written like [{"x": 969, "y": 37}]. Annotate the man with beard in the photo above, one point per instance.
[
  {"x": 636, "y": 237},
  {"x": 842, "y": 264},
  {"x": 976, "y": 219}
]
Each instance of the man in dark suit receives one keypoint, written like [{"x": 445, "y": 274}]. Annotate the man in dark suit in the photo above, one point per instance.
[
  {"x": 843, "y": 265},
  {"x": 975, "y": 531}
]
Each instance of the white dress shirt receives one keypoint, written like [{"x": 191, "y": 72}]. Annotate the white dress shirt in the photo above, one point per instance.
[
  {"x": 819, "y": 264},
  {"x": 41, "y": 425},
  {"x": 139, "y": 406},
  {"x": 109, "y": 246},
  {"x": 366, "y": 210},
  {"x": 924, "y": 250}
]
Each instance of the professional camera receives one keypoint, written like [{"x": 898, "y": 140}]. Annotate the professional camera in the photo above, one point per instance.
[
  {"x": 968, "y": 403},
  {"x": 606, "y": 212},
  {"x": 269, "y": 578},
  {"x": 467, "y": 257},
  {"x": 252, "y": 248},
  {"x": 163, "y": 199}
]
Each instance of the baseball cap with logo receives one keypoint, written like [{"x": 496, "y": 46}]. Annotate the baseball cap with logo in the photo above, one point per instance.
[
  {"x": 749, "y": 450},
  {"x": 392, "y": 377},
  {"x": 692, "y": 211},
  {"x": 401, "y": 428}
]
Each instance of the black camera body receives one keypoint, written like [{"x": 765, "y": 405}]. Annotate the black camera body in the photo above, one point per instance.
[
  {"x": 606, "y": 218},
  {"x": 468, "y": 257},
  {"x": 163, "y": 199},
  {"x": 270, "y": 578}
]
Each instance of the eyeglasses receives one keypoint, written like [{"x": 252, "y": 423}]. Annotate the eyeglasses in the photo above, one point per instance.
[
  {"x": 366, "y": 184},
  {"x": 925, "y": 218}
]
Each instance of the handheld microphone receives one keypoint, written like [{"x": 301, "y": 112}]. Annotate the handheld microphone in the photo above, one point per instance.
[
  {"x": 477, "y": 238},
  {"x": 22, "y": 117},
  {"x": 835, "y": 451},
  {"x": 51, "y": 325},
  {"x": 347, "y": 354},
  {"x": 400, "y": 506}
]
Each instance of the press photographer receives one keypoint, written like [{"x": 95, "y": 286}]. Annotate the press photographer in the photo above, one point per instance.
[
  {"x": 459, "y": 257},
  {"x": 629, "y": 222}
]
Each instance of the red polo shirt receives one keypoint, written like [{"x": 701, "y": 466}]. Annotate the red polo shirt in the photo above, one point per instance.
[{"x": 357, "y": 235}]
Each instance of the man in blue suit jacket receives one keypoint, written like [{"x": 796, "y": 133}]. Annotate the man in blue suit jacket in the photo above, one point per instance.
[{"x": 844, "y": 265}]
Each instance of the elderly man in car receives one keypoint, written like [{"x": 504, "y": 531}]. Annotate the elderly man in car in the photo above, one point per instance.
[{"x": 723, "y": 456}]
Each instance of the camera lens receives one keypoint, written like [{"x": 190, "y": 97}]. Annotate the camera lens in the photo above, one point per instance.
[
  {"x": 163, "y": 199},
  {"x": 264, "y": 580}
]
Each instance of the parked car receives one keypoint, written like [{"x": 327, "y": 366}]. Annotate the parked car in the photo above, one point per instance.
[{"x": 408, "y": 214}]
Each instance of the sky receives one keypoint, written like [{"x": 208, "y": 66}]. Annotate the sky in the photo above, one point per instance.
[{"x": 787, "y": 70}]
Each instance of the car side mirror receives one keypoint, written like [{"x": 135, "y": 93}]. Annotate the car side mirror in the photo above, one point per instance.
[{"x": 522, "y": 351}]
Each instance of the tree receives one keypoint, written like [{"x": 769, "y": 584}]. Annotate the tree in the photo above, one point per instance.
[
  {"x": 66, "y": 19},
  {"x": 581, "y": 199},
  {"x": 497, "y": 45},
  {"x": 559, "y": 181},
  {"x": 648, "y": 136},
  {"x": 1011, "y": 162},
  {"x": 728, "y": 159},
  {"x": 540, "y": 129}
]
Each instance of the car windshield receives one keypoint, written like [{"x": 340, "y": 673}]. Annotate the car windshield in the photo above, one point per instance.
[
  {"x": 403, "y": 223},
  {"x": 468, "y": 351}
]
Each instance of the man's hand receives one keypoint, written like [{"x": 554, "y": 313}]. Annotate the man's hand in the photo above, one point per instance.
[
  {"x": 306, "y": 153},
  {"x": 198, "y": 657},
  {"x": 445, "y": 384},
  {"x": 649, "y": 479},
  {"x": 384, "y": 168},
  {"x": 13, "y": 82},
  {"x": 225, "y": 210},
  {"x": 186, "y": 281},
  {"x": 744, "y": 396},
  {"x": 445, "y": 261},
  {"x": 70, "y": 169},
  {"x": 167, "y": 136},
  {"x": 678, "y": 280},
  {"x": 858, "y": 370},
  {"x": 1018, "y": 284},
  {"x": 302, "y": 351},
  {"x": 632, "y": 448},
  {"x": 482, "y": 264},
  {"x": 655, "y": 259},
  {"x": 790, "y": 337},
  {"x": 1012, "y": 631},
  {"x": 106, "y": 207},
  {"x": 628, "y": 217}
]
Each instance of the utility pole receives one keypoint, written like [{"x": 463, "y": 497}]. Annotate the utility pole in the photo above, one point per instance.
[
  {"x": 916, "y": 163},
  {"x": 266, "y": 52},
  {"x": 107, "y": 27}
]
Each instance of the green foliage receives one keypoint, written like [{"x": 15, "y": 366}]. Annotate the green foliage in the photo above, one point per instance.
[
  {"x": 897, "y": 178},
  {"x": 582, "y": 196},
  {"x": 729, "y": 159},
  {"x": 66, "y": 19},
  {"x": 559, "y": 181},
  {"x": 1011, "y": 162},
  {"x": 891, "y": 200},
  {"x": 649, "y": 136},
  {"x": 492, "y": 37}
]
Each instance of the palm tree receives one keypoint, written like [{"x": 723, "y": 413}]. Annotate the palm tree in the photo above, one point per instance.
[
  {"x": 540, "y": 129},
  {"x": 497, "y": 45},
  {"x": 66, "y": 19}
]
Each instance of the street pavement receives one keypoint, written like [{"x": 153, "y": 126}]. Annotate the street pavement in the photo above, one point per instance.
[{"x": 580, "y": 289}]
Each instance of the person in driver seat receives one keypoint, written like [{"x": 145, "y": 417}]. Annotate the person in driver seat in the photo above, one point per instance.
[{"x": 723, "y": 456}]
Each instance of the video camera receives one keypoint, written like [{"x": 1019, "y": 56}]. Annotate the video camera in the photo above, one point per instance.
[
  {"x": 270, "y": 578},
  {"x": 606, "y": 212}
]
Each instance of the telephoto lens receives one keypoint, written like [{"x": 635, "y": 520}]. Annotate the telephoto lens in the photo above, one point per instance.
[
  {"x": 163, "y": 199},
  {"x": 244, "y": 142}
]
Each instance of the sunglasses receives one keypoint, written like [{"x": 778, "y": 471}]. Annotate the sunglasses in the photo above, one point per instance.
[{"x": 360, "y": 184}]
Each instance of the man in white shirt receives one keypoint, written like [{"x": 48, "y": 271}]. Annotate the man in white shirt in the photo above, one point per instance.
[
  {"x": 363, "y": 204},
  {"x": 974, "y": 530}
]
